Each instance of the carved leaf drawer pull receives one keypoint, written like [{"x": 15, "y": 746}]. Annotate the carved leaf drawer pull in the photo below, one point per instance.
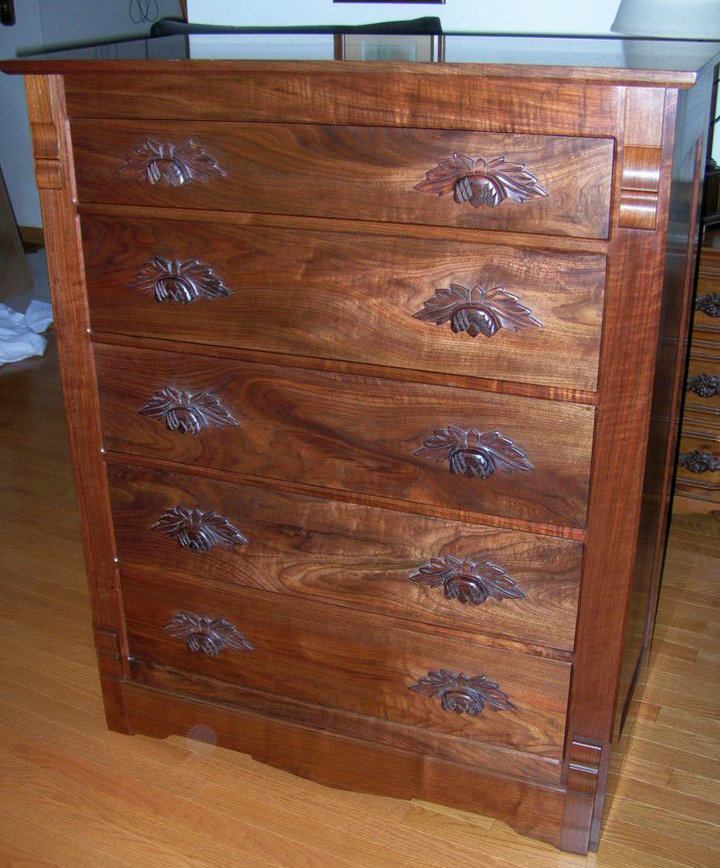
[
  {"x": 697, "y": 461},
  {"x": 164, "y": 162},
  {"x": 187, "y": 412},
  {"x": 472, "y": 452},
  {"x": 704, "y": 385},
  {"x": 481, "y": 181},
  {"x": 477, "y": 310},
  {"x": 197, "y": 529},
  {"x": 468, "y": 581},
  {"x": 179, "y": 281},
  {"x": 708, "y": 303},
  {"x": 463, "y": 694},
  {"x": 205, "y": 635}
]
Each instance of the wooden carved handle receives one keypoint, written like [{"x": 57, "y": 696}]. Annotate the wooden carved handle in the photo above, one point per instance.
[
  {"x": 704, "y": 385},
  {"x": 481, "y": 181},
  {"x": 170, "y": 164},
  {"x": 477, "y": 311},
  {"x": 472, "y": 452},
  {"x": 179, "y": 281},
  {"x": 468, "y": 581},
  {"x": 698, "y": 461},
  {"x": 463, "y": 694},
  {"x": 197, "y": 529},
  {"x": 204, "y": 635},
  {"x": 708, "y": 303},
  {"x": 187, "y": 412}
]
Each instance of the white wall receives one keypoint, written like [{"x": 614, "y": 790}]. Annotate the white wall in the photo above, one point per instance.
[
  {"x": 507, "y": 16},
  {"x": 42, "y": 24}
]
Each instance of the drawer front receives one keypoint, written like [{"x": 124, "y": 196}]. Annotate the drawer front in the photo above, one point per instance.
[
  {"x": 706, "y": 318},
  {"x": 453, "y": 448},
  {"x": 360, "y": 663},
  {"x": 702, "y": 392},
  {"x": 472, "y": 309},
  {"x": 432, "y": 177},
  {"x": 481, "y": 580},
  {"x": 698, "y": 465}
]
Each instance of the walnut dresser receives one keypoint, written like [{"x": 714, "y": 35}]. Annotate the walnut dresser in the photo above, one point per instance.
[
  {"x": 371, "y": 372},
  {"x": 697, "y": 484}
]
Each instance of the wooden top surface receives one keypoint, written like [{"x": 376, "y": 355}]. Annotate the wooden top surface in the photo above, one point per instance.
[{"x": 613, "y": 60}]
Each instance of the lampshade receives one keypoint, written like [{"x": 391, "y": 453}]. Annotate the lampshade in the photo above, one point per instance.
[{"x": 684, "y": 19}]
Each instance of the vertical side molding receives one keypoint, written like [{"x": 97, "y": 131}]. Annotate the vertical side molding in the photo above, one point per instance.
[
  {"x": 54, "y": 171},
  {"x": 631, "y": 332}
]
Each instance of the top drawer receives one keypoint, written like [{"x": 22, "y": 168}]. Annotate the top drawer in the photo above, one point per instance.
[{"x": 432, "y": 177}]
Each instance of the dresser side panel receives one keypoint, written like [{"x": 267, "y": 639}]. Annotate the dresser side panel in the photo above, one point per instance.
[
  {"x": 680, "y": 273},
  {"x": 54, "y": 170}
]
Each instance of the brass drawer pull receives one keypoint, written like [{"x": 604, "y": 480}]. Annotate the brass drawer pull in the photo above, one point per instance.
[
  {"x": 175, "y": 165},
  {"x": 708, "y": 303},
  {"x": 187, "y": 412},
  {"x": 481, "y": 181},
  {"x": 468, "y": 581},
  {"x": 179, "y": 281},
  {"x": 206, "y": 636},
  {"x": 463, "y": 694},
  {"x": 704, "y": 385},
  {"x": 697, "y": 461},
  {"x": 472, "y": 452},
  {"x": 197, "y": 529},
  {"x": 477, "y": 310}
]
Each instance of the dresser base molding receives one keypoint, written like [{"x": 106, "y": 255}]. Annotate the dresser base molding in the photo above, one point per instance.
[{"x": 339, "y": 761}]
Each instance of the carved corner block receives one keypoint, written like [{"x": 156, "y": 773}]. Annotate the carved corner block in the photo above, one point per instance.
[
  {"x": 640, "y": 187},
  {"x": 46, "y": 99}
]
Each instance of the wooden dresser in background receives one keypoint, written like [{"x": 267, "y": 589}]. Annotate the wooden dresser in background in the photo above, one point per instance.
[
  {"x": 697, "y": 485},
  {"x": 370, "y": 371}
]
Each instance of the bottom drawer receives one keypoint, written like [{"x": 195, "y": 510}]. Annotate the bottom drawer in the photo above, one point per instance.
[{"x": 348, "y": 660}]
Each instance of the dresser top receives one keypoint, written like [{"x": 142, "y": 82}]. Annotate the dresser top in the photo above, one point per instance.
[{"x": 614, "y": 60}]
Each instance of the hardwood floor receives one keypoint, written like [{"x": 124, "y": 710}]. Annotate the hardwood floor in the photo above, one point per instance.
[{"x": 74, "y": 794}]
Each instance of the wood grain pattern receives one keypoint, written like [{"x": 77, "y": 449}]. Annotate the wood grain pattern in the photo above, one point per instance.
[
  {"x": 351, "y": 296},
  {"x": 502, "y": 97},
  {"x": 352, "y": 555},
  {"x": 352, "y": 433},
  {"x": 361, "y": 173},
  {"x": 303, "y": 650}
]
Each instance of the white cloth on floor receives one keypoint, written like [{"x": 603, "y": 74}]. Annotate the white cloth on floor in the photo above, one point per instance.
[{"x": 20, "y": 333}]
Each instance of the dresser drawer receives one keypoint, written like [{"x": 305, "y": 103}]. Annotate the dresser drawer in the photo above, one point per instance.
[
  {"x": 356, "y": 662},
  {"x": 698, "y": 465},
  {"x": 420, "y": 176},
  {"x": 481, "y": 580},
  {"x": 472, "y": 309},
  {"x": 706, "y": 317},
  {"x": 453, "y": 448},
  {"x": 702, "y": 389}
]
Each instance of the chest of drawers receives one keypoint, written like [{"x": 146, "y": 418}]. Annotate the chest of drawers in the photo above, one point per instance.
[
  {"x": 370, "y": 371},
  {"x": 697, "y": 488}
]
